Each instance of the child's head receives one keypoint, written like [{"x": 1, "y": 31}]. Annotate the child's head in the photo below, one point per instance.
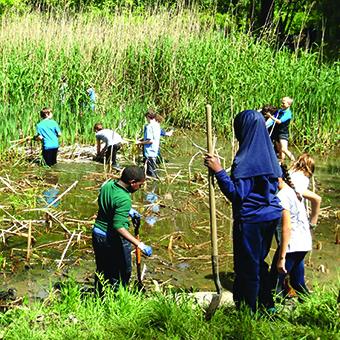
[
  {"x": 159, "y": 118},
  {"x": 97, "y": 127},
  {"x": 46, "y": 113},
  {"x": 305, "y": 163},
  {"x": 268, "y": 109},
  {"x": 150, "y": 115},
  {"x": 286, "y": 102},
  {"x": 134, "y": 176}
]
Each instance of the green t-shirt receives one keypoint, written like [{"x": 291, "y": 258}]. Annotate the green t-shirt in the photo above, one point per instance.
[{"x": 114, "y": 204}]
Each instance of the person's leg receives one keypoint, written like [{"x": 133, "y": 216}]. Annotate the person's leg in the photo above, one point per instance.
[
  {"x": 151, "y": 167},
  {"x": 48, "y": 157},
  {"x": 115, "y": 149},
  {"x": 297, "y": 273},
  {"x": 126, "y": 266},
  {"x": 54, "y": 153},
  {"x": 281, "y": 154},
  {"x": 265, "y": 293},
  {"x": 250, "y": 242},
  {"x": 100, "y": 254},
  {"x": 284, "y": 150}
]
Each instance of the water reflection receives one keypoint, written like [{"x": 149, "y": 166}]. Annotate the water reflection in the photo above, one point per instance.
[
  {"x": 51, "y": 194},
  {"x": 154, "y": 208}
]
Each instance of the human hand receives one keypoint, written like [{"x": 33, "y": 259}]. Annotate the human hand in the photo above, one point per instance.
[
  {"x": 147, "y": 250},
  {"x": 135, "y": 215},
  {"x": 281, "y": 266},
  {"x": 212, "y": 163}
]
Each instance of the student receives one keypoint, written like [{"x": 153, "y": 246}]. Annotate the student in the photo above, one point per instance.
[
  {"x": 92, "y": 97},
  {"x": 48, "y": 132},
  {"x": 110, "y": 236},
  {"x": 150, "y": 142},
  {"x": 279, "y": 124},
  {"x": 301, "y": 172},
  {"x": 112, "y": 141},
  {"x": 256, "y": 210},
  {"x": 294, "y": 239},
  {"x": 159, "y": 120}
]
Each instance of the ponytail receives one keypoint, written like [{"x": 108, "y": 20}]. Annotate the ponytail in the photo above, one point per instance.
[{"x": 288, "y": 180}]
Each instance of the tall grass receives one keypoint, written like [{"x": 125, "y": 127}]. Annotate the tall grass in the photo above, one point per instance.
[
  {"x": 168, "y": 61},
  {"x": 71, "y": 315}
]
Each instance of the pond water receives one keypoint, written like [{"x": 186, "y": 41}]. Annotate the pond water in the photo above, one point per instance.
[{"x": 175, "y": 222}]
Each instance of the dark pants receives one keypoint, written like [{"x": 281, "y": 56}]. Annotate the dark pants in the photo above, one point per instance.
[
  {"x": 50, "y": 156},
  {"x": 113, "y": 260},
  {"x": 295, "y": 269},
  {"x": 151, "y": 166},
  {"x": 252, "y": 283},
  {"x": 111, "y": 153}
]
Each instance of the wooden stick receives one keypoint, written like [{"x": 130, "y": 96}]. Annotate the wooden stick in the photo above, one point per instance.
[
  {"x": 29, "y": 250},
  {"x": 65, "y": 250}
]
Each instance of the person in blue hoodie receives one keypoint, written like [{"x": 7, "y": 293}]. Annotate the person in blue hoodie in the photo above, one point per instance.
[{"x": 256, "y": 210}]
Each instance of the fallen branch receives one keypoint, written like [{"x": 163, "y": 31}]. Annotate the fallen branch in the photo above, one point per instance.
[{"x": 65, "y": 250}]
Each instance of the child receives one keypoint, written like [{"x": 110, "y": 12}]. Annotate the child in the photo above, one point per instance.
[
  {"x": 301, "y": 172},
  {"x": 113, "y": 142},
  {"x": 256, "y": 210},
  {"x": 150, "y": 142},
  {"x": 294, "y": 239},
  {"x": 110, "y": 236},
  {"x": 280, "y": 128},
  {"x": 92, "y": 97},
  {"x": 48, "y": 132}
]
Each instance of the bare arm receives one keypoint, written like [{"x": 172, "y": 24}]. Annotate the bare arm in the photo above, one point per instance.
[
  {"x": 128, "y": 236},
  {"x": 285, "y": 237},
  {"x": 144, "y": 142},
  {"x": 315, "y": 200},
  {"x": 98, "y": 147}
]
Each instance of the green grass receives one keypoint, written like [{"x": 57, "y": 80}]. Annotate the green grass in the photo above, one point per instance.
[
  {"x": 171, "y": 62},
  {"x": 129, "y": 315}
]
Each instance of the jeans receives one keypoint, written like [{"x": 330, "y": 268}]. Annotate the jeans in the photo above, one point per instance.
[
  {"x": 252, "y": 283},
  {"x": 113, "y": 260},
  {"x": 111, "y": 153},
  {"x": 151, "y": 166},
  {"x": 50, "y": 156},
  {"x": 295, "y": 269}
]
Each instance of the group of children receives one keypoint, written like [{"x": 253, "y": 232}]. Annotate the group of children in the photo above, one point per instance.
[
  {"x": 108, "y": 141},
  {"x": 267, "y": 200}
]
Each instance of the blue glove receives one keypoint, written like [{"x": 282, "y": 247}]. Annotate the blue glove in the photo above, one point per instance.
[
  {"x": 134, "y": 214},
  {"x": 147, "y": 250}
]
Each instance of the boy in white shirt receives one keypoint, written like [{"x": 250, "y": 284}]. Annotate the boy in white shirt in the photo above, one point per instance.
[{"x": 112, "y": 143}]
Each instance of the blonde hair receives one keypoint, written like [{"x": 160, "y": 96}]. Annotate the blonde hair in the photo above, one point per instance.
[
  {"x": 288, "y": 100},
  {"x": 304, "y": 163}
]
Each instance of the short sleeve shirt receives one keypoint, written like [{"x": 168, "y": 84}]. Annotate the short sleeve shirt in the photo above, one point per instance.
[
  {"x": 300, "y": 238},
  {"x": 49, "y": 130}
]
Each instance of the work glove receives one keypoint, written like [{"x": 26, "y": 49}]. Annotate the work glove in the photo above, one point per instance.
[
  {"x": 134, "y": 214},
  {"x": 147, "y": 250}
]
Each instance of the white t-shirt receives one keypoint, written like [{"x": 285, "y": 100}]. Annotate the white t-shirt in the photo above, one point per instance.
[
  {"x": 109, "y": 137},
  {"x": 152, "y": 131},
  {"x": 300, "y": 235}
]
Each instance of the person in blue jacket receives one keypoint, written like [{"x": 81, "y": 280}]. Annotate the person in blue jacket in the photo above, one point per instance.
[
  {"x": 278, "y": 127},
  {"x": 256, "y": 210},
  {"x": 48, "y": 132}
]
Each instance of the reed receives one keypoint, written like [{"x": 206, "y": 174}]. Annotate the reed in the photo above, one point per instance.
[{"x": 172, "y": 62}]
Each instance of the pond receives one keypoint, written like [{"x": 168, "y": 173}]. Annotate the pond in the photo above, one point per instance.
[{"x": 175, "y": 222}]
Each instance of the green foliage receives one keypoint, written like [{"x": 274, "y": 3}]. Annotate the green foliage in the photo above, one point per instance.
[
  {"x": 126, "y": 315},
  {"x": 176, "y": 66}
]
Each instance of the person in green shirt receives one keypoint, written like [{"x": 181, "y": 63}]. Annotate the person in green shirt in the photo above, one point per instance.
[{"x": 111, "y": 239}]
